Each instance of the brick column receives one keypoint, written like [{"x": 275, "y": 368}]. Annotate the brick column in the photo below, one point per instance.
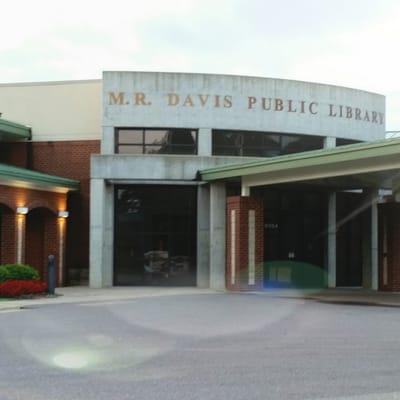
[
  {"x": 244, "y": 243},
  {"x": 8, "y": 237},
  {"x": 389, "y": 248}
]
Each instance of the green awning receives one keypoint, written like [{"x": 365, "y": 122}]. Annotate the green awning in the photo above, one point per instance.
[
  {"x": 373, "y": 160},
  {"x": 11, "y": 131},
  {"x": 26, "y": 178}
]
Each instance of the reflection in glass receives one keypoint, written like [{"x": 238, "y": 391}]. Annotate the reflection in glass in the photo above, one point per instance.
[{"x": 155, "y": 235}]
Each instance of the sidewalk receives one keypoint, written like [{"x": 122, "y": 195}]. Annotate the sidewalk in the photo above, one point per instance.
[{"x": 83, "y": 294}]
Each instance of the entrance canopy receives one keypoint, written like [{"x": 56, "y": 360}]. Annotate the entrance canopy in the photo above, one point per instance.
[
  {"x": 25, "y": 178},
  {"x": 11, "y": 131},
  {"x": 356, "y": 166}
]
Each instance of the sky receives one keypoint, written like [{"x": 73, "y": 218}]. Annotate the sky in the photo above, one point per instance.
[{"x": 354, "y": 43}]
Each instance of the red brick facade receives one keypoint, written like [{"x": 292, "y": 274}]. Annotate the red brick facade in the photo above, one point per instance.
[
  {"x": 69, "y": 159},
  {"x": 389, "y": 247},
  {"x": 239, "y": 274}
]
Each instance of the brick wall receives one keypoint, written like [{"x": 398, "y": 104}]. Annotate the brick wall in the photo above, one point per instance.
[
  {"x": 238, "y": 250},
  {"x": 69, "y": 159}
]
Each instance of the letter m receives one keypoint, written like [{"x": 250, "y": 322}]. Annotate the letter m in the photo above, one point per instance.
[{"x": 116, "y": 98}]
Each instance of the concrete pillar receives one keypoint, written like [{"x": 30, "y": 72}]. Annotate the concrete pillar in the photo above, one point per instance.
[
  {"x": 108, "y": 140},
  {"x": 217, "y": 235},
  {"x": 329, "y": 142},
  {"x": 332, "y": 240},
  {"x": 245, "y": 243},
  {"x": 245, "y": 190},
  {"x": 366, "y": 250},
  {"x": 101, "y": 234},
  {"x": 374, "y": 243},
  {"x": 204, "y": 142},
  {"x": 203, "y": 236}
]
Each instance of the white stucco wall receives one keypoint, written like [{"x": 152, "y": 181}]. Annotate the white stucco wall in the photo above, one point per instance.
[
  {"x": 148, "y": 99},
  {"x": 55, "y": 110}
]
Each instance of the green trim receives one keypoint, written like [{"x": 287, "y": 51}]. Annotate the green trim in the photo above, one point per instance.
[
  {"x": 315, "y": 158},
  {"x": 32, "y": 179},
  {"x": 13, "y": 131}
]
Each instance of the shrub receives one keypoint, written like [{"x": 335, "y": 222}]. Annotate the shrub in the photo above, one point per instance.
[
  {"x": 15, "y": 288},
  {"x": 17, "y": 272}
]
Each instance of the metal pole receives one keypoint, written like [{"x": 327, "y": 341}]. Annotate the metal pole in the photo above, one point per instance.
[{"x": 51, "y": 274}]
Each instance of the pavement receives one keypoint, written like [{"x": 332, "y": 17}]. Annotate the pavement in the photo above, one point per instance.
[{"x": 84, "y": 294}]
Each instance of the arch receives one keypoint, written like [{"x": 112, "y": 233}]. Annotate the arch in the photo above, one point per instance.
[
  {"x": 40, "y": 237},
  {"x": 44, "y": 204}
]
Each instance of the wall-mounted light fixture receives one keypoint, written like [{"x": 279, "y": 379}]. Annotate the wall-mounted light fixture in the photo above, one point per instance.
[
  {"x": 22, "y": 210},
  {"x": 63, "y": 214}
]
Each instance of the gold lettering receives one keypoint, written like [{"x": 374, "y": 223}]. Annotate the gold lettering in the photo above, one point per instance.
[
  {"x": 227, "y": 101},
  {"x": 340, "y": 111},
  {"x": 251, "y": 101},
  {"x": 188, "y": 101},
  {"x": 291, "y": 106},
  {"x": 278, "y": 105},
  {"x": 358, "y": 114},
  {"x": 116, "y": 98},
  {"x": 374, "y": 117},
  {"x": 349, "y": 112},
  {"x": 173, "y": 99},
  {"x": 311, "y": 108},
  {"x": 303, "y": 106},
  {"x": 331, "y": 113},
  {"x": 381, "y": 118},
  {"x": 203, "y": 99},
  {"x": 263, "y": 102},
  {"x": 366, "y": 116},
  {"x": 216, "y": 103},
  {"x": 140, "y": 99}
]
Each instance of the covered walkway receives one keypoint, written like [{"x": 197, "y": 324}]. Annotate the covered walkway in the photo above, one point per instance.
[{"x": 370, "y": 169}]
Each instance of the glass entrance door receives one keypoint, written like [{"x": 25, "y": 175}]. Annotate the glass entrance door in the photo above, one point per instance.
[{"x": 155, "y": 235}]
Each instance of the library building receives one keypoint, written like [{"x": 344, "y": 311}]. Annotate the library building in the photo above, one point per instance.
[{"x": 219, "y": 181}]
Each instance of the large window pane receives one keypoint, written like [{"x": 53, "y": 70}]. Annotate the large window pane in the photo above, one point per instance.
[
  {"x": 131, "y": 136},
  {"x": 155, "y": 235}
]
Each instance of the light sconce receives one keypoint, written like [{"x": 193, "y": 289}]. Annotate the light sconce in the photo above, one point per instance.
[
  {"x": 22, "y": 210},
  {"x": 63, "y": 214}
]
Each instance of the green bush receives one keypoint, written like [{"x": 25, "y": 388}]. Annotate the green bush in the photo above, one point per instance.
[{"x": 17, "y": 271}]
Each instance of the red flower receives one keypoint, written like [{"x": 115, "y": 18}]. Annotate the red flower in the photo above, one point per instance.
[{"x": 15, "y": 288}]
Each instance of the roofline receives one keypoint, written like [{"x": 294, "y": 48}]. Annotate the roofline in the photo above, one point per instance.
[
  {"x": 309, "y": 158},
  {"x": 17, "y": 176},
  {"x": 50, "y": 83},
  {"x": 247, "y": 76},
  {"x": 15, "y": 129}
]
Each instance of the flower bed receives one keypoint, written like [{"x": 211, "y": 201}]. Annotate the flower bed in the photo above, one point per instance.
[{"x": 17, "y": 288}]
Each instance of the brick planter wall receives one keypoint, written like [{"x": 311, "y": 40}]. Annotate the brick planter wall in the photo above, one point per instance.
[{"x": 244, "y": 243}]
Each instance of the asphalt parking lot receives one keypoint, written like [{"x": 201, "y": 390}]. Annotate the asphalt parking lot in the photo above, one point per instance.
[{"x": 200, "y": 346}]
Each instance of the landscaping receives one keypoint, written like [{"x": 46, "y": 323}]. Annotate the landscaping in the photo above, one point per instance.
[{"x": 18, "y": 280}]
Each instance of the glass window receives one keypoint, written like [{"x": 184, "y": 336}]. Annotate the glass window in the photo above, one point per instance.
[
  {"x": 261, "y": 144},
  {"x": 155, "y": 235},
  {"x": 156, "y": 141},
  {"x": 344, "y": 142}
]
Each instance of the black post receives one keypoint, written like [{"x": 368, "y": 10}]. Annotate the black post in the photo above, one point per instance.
[{"x": 51, "y": 275}]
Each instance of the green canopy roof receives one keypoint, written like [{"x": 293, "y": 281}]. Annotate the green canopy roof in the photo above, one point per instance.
[
  {"x": 21, "y": 177},
  {"x": 10, "y": 131}
]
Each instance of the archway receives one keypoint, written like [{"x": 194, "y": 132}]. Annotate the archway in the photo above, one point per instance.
[{"x": 40, "y": 237}]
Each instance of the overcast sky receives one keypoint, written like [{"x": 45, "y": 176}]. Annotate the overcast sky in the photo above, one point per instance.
[{"x": 353, "y": 43}]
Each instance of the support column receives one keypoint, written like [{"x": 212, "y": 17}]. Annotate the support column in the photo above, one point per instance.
[
  {"x": 101, "y": 234},
  {"x": 332, "y": 240},
  {"x": 374, "y": 243},
  {"x": 108, "y": 140},
  {"x": 20, "y": 222},
  {"x": 204, "y": 142},
  {"x": 203, "y": 236},
  {"x": 245, "y": 243},
  {"x": 217, "y": 235},
  {"x": 61, "y": 236}
]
